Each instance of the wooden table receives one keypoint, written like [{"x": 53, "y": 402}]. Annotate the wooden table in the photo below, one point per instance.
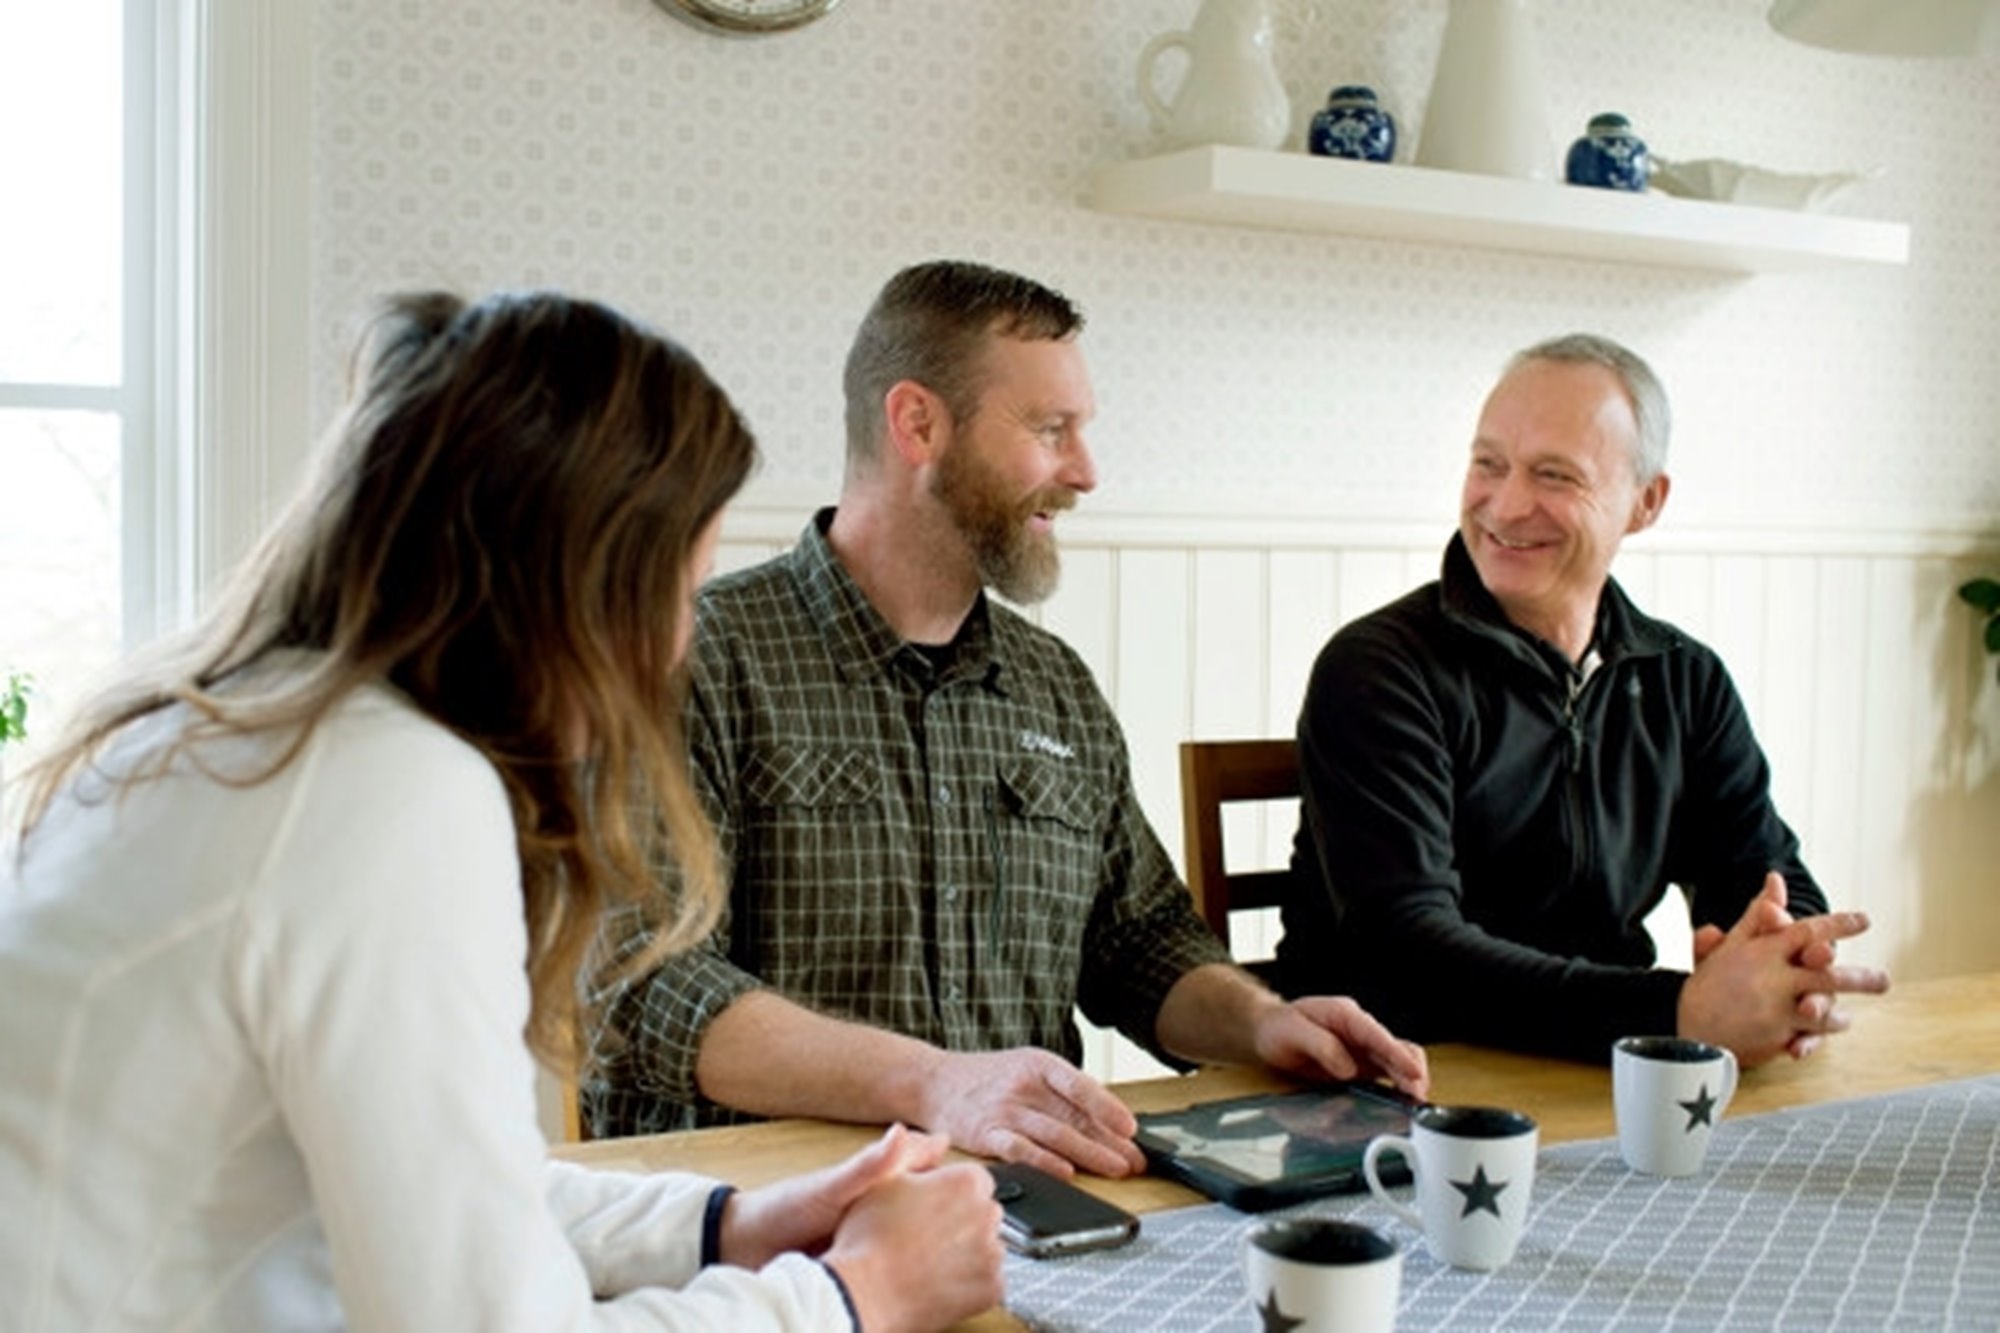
[{"x": 1921, "y": 1032}]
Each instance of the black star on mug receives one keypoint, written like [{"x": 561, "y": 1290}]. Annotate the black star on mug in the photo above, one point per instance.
[
  {"x": 1701, "y": 1111},
  {"x": 1276, "y": 1320},
  {"x": 1480, "y": 1192}
]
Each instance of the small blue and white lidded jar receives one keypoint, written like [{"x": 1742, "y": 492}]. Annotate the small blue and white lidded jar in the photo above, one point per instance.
[
  {"x": 1609, "y": 156},
  {"x": 1353, "y": 124}
]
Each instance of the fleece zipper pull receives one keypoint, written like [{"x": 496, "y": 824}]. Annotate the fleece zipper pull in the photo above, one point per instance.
[
  {"x": 1579, "y": 678},
  {"x": 1572, "y": 723}
]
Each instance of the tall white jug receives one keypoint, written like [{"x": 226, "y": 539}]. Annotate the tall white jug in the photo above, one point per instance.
[
  {"x": 1231, "y": 93},
  {"x": 1487, "y": 110}
]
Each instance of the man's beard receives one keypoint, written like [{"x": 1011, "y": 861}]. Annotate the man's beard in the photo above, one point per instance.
[{"x": 1014, "y": 559}]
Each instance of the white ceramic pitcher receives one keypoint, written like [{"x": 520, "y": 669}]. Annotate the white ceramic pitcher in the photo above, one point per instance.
[
  {"x": 1231, "y": 93},
  {"x": 1487, "y": 110}
]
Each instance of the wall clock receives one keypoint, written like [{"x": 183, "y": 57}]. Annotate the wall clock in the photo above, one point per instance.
[{"x": 748, "y": 18}]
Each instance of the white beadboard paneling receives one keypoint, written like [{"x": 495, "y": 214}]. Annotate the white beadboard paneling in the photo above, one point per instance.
[
  {"x": 1301, "y": 614},
  {"x": 1153, "y": 678},
  {"x": 1785, "y": 721},
  {"x": 1254, "y": 935},
  {"x": 1229, "y": 633},
  {"x": 1840, "y": 694},
  {"x": 1227, "y": 694},
  {"x": 1736, "y": 615},
  {"x": 1300, "y": 608},
  {"x": 1368, "y": 579},
  {"x": 1672, "y": 932},
  {"x": 1897, "y": 729},
  {"x": 1638, "y": 574},
  {"x": 731, "y": 556},
  {"x": 1079, "y": 609},
  {"x": 1954, "y": 829},
  {"x": 1682, "y": 586}
]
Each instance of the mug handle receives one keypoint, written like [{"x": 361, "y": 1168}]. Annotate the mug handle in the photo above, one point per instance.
[
  {"x": 1147, "y": 92},
  {"x": 1377, "y": 1146},
  {"x": 1728, "y": 1081}
]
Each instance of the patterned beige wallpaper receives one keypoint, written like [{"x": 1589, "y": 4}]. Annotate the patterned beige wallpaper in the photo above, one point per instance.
[{"x": 750, "y": 196}]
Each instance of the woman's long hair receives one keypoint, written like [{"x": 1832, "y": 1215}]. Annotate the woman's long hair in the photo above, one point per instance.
[{"x": 501, "y": 527}]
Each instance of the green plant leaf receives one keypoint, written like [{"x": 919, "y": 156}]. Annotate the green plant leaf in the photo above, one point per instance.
[
  {"x": 14, "y": 707},
  {"x": 1982, "y": 593}
]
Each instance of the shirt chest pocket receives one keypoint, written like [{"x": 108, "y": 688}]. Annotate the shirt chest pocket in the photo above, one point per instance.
[
  {"x": 803, "y": 779},
  {"x": 1055, "y": 798},
  {"x": 813, "y": 836},
  {"x": 1048, "y": 834},
  {"x": 1051, "y": 824}
]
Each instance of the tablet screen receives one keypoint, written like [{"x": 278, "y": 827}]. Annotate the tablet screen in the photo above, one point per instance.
[{"x": 1279, "y": 1139}]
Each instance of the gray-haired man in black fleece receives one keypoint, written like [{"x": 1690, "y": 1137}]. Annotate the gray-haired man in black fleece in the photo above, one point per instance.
[{"x": 1505, "y": 770}]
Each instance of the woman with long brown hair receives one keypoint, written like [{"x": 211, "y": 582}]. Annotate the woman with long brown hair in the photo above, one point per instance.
[{"x": 289, "y": 896}]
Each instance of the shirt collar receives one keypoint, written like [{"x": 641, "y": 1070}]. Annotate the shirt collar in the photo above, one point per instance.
[
  {"x": 1622, "y": 629},
  {"x": 861, "y": 642}
]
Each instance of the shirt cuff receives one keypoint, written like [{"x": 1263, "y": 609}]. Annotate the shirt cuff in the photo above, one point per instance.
[
  {"x": 846, "y": 1297},
  {"x": 711, "y": 1227}
]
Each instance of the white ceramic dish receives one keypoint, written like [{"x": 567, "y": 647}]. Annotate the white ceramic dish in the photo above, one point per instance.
[{"x": 1730, "y": 182}]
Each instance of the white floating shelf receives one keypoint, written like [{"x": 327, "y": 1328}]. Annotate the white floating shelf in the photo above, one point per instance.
[{"x": 1296, "y": 192}]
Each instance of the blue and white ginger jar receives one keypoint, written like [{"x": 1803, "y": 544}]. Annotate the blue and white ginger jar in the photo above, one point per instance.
[
  {"x": 1353, "y": 124},
  {"x": 1609, "y": 156}
]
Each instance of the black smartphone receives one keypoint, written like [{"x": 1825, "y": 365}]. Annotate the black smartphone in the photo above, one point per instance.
[{"x": 1045, "y": 1216}]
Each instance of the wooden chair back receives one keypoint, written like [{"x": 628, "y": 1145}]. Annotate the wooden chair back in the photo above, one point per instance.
[{"x": 1214, "y": 774}]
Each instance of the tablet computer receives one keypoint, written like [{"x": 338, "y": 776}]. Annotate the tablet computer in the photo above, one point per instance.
[{"x": 1273, "y": 1149}]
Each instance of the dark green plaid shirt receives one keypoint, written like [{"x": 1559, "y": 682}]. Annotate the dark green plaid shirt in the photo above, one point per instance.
[{"x": 941, "y": 842}]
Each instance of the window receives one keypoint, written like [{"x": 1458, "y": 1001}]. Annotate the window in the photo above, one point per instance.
[
  {"x": 74, "y": 360},
  {"x": 153, "y": 380}
]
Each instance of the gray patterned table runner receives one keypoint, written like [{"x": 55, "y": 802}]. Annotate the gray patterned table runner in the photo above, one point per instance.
[{"x": 1880, "y": 1213}]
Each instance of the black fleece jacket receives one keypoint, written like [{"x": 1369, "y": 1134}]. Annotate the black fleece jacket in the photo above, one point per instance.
[{"x": 1484, "y": 828}]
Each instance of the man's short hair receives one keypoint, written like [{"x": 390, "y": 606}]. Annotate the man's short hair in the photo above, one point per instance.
[
  {"x": 928, "y": 325},
  {"x": 1642, "y": 389}
]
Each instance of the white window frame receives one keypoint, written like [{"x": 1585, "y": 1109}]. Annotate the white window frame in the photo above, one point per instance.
[{"x": 217, "y": 352}]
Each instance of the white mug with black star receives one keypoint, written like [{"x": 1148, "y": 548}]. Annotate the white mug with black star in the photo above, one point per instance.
[
  {"x": 1322, "y": 1275},
  {"x": 1474, "y": 1167},
  {"x": 1669, "y": 1092}
]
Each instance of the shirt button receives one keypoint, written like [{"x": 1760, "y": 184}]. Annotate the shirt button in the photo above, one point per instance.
[
  {"x": 951, "y": 893},
  {"x": 944, "y": 795},
  {"x": 953, "y": 993}
]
